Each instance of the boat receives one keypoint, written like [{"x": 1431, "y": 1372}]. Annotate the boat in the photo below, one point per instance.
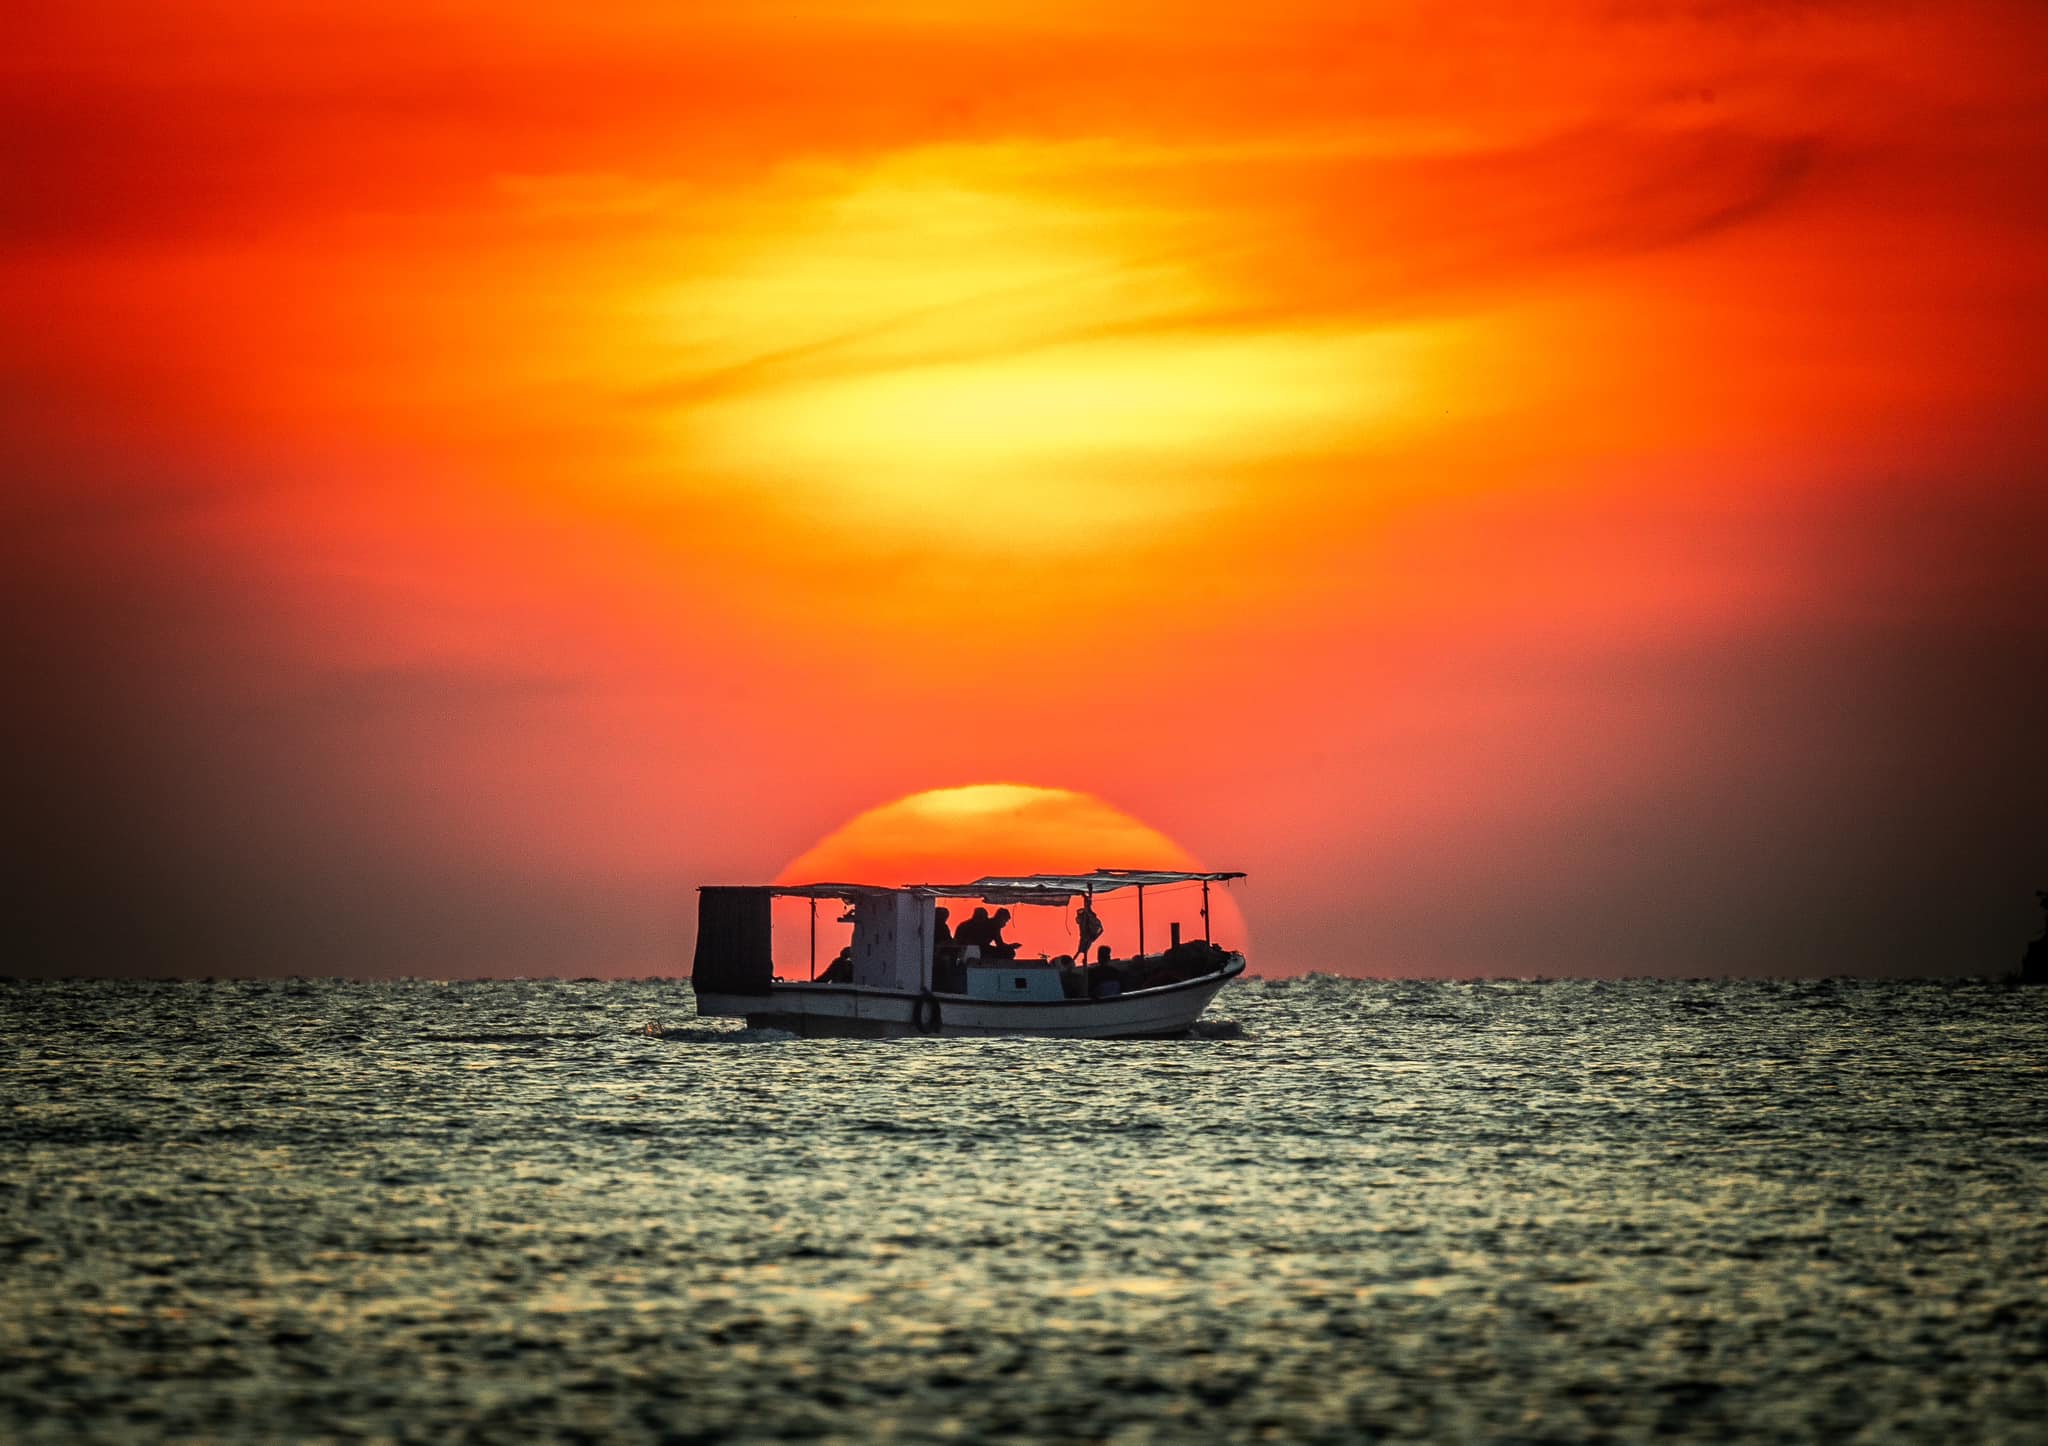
[{"x": 899, "y": 976}]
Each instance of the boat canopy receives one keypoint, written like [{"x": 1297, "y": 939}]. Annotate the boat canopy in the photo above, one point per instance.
[{"x": 1056, "y": 889}]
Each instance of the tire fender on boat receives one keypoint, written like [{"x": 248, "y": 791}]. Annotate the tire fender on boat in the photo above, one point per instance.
[{"x": 925, "y": 1014}]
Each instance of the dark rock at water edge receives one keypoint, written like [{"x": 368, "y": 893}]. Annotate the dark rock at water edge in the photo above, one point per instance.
[{"x": 2034, "y": 965}]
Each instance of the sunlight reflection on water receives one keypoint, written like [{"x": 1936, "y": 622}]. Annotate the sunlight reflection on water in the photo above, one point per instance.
[{"x": 1445, "y": 1210}]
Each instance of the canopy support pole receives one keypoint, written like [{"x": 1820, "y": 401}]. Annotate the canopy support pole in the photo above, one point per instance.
[
  {"x": 814, "y": 941},
  {"x": 1141, "y": 921},
  {"x": 1205, "y": 911}
]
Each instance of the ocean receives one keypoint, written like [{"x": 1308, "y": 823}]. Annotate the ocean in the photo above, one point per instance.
[{"x": 1519, "y": 1211}]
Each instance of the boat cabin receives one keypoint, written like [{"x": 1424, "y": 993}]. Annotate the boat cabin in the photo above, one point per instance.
[{"x": 1013, "y": 979}]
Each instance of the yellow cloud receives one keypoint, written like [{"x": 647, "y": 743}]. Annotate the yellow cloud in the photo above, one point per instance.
[{"x": 924, "y": 346}]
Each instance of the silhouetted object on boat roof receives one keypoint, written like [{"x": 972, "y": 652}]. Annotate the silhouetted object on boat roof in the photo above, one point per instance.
[{"x": 2034, "y": 966}]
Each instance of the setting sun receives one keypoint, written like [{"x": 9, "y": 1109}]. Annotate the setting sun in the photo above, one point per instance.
[{"x": 956, "y": 835}]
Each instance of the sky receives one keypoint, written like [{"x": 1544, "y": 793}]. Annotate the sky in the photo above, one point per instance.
[{"x": 1545, "y": 489}]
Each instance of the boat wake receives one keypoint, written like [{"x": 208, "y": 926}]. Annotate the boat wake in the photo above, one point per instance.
[{"x": 712, "y": 1034}]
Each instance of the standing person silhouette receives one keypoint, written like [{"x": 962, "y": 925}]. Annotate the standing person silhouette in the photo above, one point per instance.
[{"x": 1089, "y": 923}]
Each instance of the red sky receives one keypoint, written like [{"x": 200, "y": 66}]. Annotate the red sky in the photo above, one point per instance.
[{"x": 1547, "y": 489}]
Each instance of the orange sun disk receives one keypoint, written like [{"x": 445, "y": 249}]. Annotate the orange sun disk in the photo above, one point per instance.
[{"x": 950, "y": 835}]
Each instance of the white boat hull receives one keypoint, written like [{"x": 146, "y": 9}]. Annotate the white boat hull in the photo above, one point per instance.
[{"x": 851, "y": 1011}]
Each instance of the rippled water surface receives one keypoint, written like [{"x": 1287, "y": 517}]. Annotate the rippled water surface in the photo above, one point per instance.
[{"x": 1526, "y": 1211}]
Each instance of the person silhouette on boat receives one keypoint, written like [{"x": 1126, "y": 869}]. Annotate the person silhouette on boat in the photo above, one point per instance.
[
  {"x": 986, "y": 933},
  {"x": 977, "y": 931},
  {"x": 942, "y": 932},
  {"x": 997, "y": 945},
  {"x": 1089, "y": 923}
]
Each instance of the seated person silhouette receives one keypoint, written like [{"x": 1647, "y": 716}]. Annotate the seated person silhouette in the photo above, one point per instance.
[
  {"x": 978, "y": 931},
  {"x": 998, "y": 947}
]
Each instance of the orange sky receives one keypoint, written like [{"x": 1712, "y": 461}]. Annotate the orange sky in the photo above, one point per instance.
[{"x": 1545, "y": 488}]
